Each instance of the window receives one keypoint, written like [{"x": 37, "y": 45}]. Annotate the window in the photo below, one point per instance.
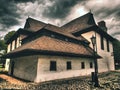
[
  {"x": 91, "y": 65},
  {"x": 82, "y": 65},
  {"x": 15, "y": 43},
  {"x": 52, "y": 65},
  {"x": 11, "y": 46},
  {"x": 69, "y": 65},
  {"x": 108, "y": 48},
  {"x": 102, "y": 43}
]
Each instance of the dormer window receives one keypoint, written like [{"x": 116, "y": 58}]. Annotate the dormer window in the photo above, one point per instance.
[
  {"x": 66, "y": 39},
  {"x": 52, "y": 35}
]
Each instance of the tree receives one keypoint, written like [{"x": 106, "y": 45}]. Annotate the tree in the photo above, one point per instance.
[
  {"x": 116, "y": 49},
  {"x": 8, "y": 35},
  {"x": 2, "y": 45}
]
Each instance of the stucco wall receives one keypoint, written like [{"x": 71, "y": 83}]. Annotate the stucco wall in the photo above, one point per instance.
[
  {"x": 25, "y": 67},
  {"x": 9, "y": 48},
  {"x": 106, "y": 63},
  {"x": 44, "y": 73}
]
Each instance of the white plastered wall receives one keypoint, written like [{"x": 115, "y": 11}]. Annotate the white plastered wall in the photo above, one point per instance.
[
  {"x": 44, "y": 73},
  {"x": 25, "y": 67},
  {"x": 106, "y": 63}
]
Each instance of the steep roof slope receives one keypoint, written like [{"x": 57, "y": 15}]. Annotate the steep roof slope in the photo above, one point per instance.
[
  {"x": 33, "y": 25},
  {"x": 80, "y": 23}
]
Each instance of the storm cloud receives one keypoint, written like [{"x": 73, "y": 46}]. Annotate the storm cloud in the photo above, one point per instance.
[
  {"x": 8, "y": 15},
  {"x": 60, "y": 8},
  {"x": 13, "y": 13}
]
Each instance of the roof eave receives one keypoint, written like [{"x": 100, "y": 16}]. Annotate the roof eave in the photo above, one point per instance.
[
  {"x": 28, "y": 52},
  {"x": 94, "y": 28}
]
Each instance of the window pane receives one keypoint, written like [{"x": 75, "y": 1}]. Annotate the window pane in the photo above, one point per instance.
[
  {"x": 69, "y": 65},
  {"x": 102, "y": 43},
  {"x": 52, "y": 65},
  {"x": 82, "y": 65},
  {"x": 91, "y": 65},
  {"x": 108, "y": 48}
]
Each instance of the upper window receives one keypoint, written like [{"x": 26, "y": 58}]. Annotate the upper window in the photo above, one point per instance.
[
  {"x": 108, "y": 47},
  {"x": 69, "y": 65},
  {"x": 102, "y": 43},
  {"x": 53, "y": 66},
  {"x": 11, "y": 46},
  {"x": 15, "y": 43},
  {"x": 82, "y": 65}
]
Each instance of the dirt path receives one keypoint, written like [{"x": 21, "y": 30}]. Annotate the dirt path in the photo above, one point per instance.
[{"x": 11, "y": 79}]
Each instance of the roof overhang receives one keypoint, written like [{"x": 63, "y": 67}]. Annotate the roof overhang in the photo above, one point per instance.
[
  {"x": 94, "y": 28},
  {"x": 29, "y": 52},
  {"x": 17, "y": 33}
]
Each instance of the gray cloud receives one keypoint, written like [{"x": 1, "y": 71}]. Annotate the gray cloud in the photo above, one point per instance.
[
  {"x": 24, "y": 1},
  {"x": 60, "y": 8},
  {"x": 8, "y": 13},
  {"x": 14, "y": 12}
]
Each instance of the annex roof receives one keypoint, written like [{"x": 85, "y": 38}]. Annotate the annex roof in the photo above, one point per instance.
[{"x": 50, "y": 44}]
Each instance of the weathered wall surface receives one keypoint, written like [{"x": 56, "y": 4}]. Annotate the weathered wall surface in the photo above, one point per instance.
[
  {"x": 25, "y": 67},
  {"x": 44, "y": 73},
  {"x": 106, "y": 63},
  {"x": 11, "y": 46}
]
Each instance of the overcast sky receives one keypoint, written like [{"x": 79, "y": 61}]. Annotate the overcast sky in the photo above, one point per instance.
[{"x": 13, "y": 13}]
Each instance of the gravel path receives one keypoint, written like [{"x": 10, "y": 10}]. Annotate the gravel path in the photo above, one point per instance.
[{"x": 107, "y": 81}]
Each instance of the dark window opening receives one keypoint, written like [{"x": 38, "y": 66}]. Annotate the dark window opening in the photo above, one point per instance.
[
  {"x": 91, "y": 65},
  {"x": 52, "y": 65},
  {"x": 102, "y": 43},
  {"x": 11, "y": 46},
  {"x": 82, "y": 65},
  {"x": 69, "y": 65},
  {"x": 16, "y": 43},
  {"x": 108, "y": 47}
]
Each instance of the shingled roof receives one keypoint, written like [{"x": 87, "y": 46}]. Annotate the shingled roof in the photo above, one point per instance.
[
  {"x": 33, "y": 25},
  {"x": 80, "y": 23},
  {"x": 50, "y": 44}
]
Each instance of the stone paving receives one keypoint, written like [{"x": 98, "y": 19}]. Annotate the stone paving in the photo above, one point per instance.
[{"x": 107, "y": 81}]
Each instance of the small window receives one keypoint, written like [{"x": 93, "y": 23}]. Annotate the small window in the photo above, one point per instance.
[
  {"x": 108, "y": 47},
  {"x": 15, "y": 43},
  {"x": 91, "y": 65},
  {"x": 52, "y": 36},
  {"x": 52, "y": 65},
  {"x": 11, "y": 46},
  {"x": 69, "y": 65},
  {"x": 66, "y": 39},
  {"x": 82, "y": 65},
  {"x": 102, "y": 43}
]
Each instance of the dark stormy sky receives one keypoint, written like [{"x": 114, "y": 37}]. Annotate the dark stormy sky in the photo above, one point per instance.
[{"x": 13, "y": 13}]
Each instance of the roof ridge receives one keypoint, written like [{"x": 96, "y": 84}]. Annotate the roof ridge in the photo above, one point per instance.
[{"x": 35, "y": 20}]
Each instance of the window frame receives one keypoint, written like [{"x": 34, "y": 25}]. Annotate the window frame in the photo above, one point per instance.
[
  {"x": 82, "y": 65},
  {"x": 53, "y": 66},
  {"x": 68, "y": 65},
  {"x": 102, "y": 42},
  {"x": 91, "y": 64},
  {"x": 108, "y": 46}
]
